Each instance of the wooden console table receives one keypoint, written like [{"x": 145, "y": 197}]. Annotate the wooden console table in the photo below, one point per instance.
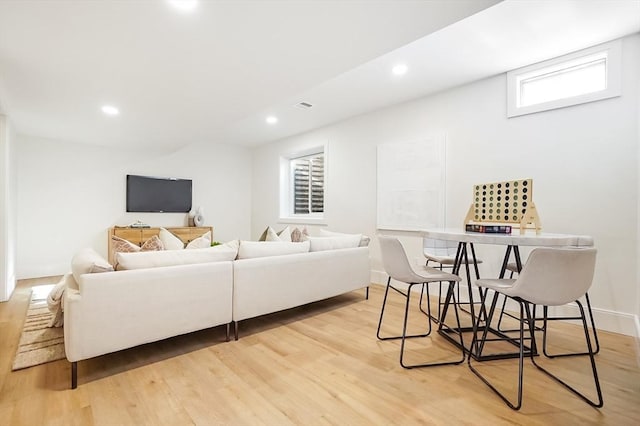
[{"x": 140, "y": 235}]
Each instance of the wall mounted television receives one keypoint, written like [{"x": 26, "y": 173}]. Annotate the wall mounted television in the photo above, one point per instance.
[{"x": 158, "y": 195}]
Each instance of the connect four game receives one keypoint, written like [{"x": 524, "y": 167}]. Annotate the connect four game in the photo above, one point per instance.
[{"x": 508, "y": 202}]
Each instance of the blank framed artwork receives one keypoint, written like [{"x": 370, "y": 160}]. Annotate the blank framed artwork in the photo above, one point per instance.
[{"x": 411, "y": 184}]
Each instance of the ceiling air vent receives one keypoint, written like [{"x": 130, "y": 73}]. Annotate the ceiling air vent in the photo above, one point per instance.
[{"x": 303, "y": 105}]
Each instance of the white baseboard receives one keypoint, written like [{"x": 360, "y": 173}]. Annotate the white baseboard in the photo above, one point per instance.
[
  {"x": 379, "y": 277},
  {"x": 605, "y": 319},
  {"x": 37, "y": 271}
]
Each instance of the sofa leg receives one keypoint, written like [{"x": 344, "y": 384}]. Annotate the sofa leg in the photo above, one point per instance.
[
  {"x": 74, "y": 375},
  {"x": 366, "y": 293},
  {"x": 235, "y": 330},
  {"x": 228, "y": 331}
]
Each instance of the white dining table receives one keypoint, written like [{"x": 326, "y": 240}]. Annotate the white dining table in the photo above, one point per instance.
[
  {"x": 542, "y": 239},
  {"x": 512, "y": 242}
]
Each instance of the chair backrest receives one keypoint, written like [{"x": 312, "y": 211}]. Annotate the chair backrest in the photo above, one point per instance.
[
  {"x": 395, "y": 261},
  {"x": 556, "y": 276}
]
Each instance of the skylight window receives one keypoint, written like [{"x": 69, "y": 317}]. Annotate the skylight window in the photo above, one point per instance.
[{"x": 581, "y": 77}]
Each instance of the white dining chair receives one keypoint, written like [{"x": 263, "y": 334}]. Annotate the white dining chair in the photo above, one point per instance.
[
  {"x": 550, "y": 277},
  {"x": 398, "y": 268},
  {"x": 512, "y": 267}
]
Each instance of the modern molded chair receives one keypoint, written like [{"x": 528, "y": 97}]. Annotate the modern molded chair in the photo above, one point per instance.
[
  {"x": 399, "y": 269},
  {"x": 512, "y": 267},
  {"x": 550, "y": 277}
]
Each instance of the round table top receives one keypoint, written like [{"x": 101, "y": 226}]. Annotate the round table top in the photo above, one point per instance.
[{"x": 530, "y": 238}]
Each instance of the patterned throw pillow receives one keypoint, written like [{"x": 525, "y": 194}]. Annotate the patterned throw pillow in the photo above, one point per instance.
[
  {"x": 152, "y": 244},
  {"x": 297, "y": 236},
  {"x": 122, "y": 245}
]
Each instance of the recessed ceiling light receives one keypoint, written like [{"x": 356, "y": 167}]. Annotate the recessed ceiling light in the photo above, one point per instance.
[
  {"x": 110, "y": 110},
  {"x": 184, "y": 5},
  {"x": 271, "y": 119},
  {"x": 399, "y": 69}
]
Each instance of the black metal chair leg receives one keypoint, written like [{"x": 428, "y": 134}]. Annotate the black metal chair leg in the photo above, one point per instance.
[
  {"x": 545, "y": 349},
  {"x": 74, "y": 375},
  {"x": 407, "y": 295},
  {"x": 450, "y": 293},
  {"x": 600, "y": 402},
  {"x": 518, "y": 403},
  {"x": 235, "y": 330}
]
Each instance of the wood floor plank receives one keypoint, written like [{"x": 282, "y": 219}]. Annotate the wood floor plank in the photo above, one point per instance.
[{"x": 319, "y": 364}]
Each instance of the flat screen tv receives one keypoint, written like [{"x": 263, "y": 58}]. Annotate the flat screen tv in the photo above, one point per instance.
[{"x": 155, "y": 194}]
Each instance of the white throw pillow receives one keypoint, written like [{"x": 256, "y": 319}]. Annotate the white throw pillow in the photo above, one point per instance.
[
  {"x": 284, "y": 235},
  {"x": 334, "y": 243},
  {"x": 271, "y": 235},
  {"x": 202, "y": 241},
  {"x": 170, "y": 241},
  {"x": 88, "y": 261},
  {"x": 251, "y": 249},
  {"x": 364, "y": 240},
  {"x": 155, "y": 259}
]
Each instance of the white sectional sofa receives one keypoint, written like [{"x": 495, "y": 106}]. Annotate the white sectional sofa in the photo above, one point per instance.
[
  {"x": 110, "y": 311},
  {"x": 269, "y": 284}
]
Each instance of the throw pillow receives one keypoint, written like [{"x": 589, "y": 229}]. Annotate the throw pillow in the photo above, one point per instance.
[
  {"x": 170, "y": 241},
  {"x": 271, "y": 235},
  {"x": 298, "y": 236},
  {"x": 152, "y": 244},
  {"x": 88, "y": 261},
  {"x": 203, "y": 241},
  {"x": 263, "y": 236},
  {"x": 121, "y": 245},
  {"x": 284, "y": 235},
  {"x": 251, "y": 249}
]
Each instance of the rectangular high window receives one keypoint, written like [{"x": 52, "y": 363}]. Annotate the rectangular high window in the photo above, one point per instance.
[
  {"x": 303, "y": 186},
  {"x": 308, "y": 184},
  {"x": 586, "y": 76}
]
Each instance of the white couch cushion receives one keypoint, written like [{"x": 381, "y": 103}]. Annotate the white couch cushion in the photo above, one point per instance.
[
  {"x": 154, "y": 259},
  {"x": 364, "y": 240},
  {"x": 251, "y": 249},
  {"x": 88, "y": 261},
  {"x": 333, "y": 243}
]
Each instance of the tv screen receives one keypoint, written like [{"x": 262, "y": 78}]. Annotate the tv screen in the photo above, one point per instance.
[{"x": 162, "y": 195}]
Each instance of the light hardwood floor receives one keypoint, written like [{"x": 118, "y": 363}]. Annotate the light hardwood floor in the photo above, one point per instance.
[{"x": 315, "y": 365}]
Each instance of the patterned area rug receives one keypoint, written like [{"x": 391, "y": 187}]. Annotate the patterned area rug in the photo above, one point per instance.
[{"x": 39, "y": 344}]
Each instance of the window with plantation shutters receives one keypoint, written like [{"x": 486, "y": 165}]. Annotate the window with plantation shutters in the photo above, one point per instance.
[
  {"x": 303, "y": 186},
  {"x": 308, "y": 184}
]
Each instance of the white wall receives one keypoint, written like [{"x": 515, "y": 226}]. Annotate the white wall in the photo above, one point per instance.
[
  {"x": 7, "y": 211},
  {"x": 69, "y": 194},
  {"x": 583, "y": 160}
]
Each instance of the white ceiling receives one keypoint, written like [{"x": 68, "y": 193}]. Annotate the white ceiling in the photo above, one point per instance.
[{"x": 215, "y": 74}]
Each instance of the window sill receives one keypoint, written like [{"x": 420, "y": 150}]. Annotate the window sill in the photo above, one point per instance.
[{"x": 302, "y": 220}]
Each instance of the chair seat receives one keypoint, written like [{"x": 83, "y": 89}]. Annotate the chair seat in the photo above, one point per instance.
[
  {"x": 424, "y": 274},
  {"x": 501, "y": 285},
  {"x": 445, "y": 260},
  {"x": 434, "y": 274}
]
